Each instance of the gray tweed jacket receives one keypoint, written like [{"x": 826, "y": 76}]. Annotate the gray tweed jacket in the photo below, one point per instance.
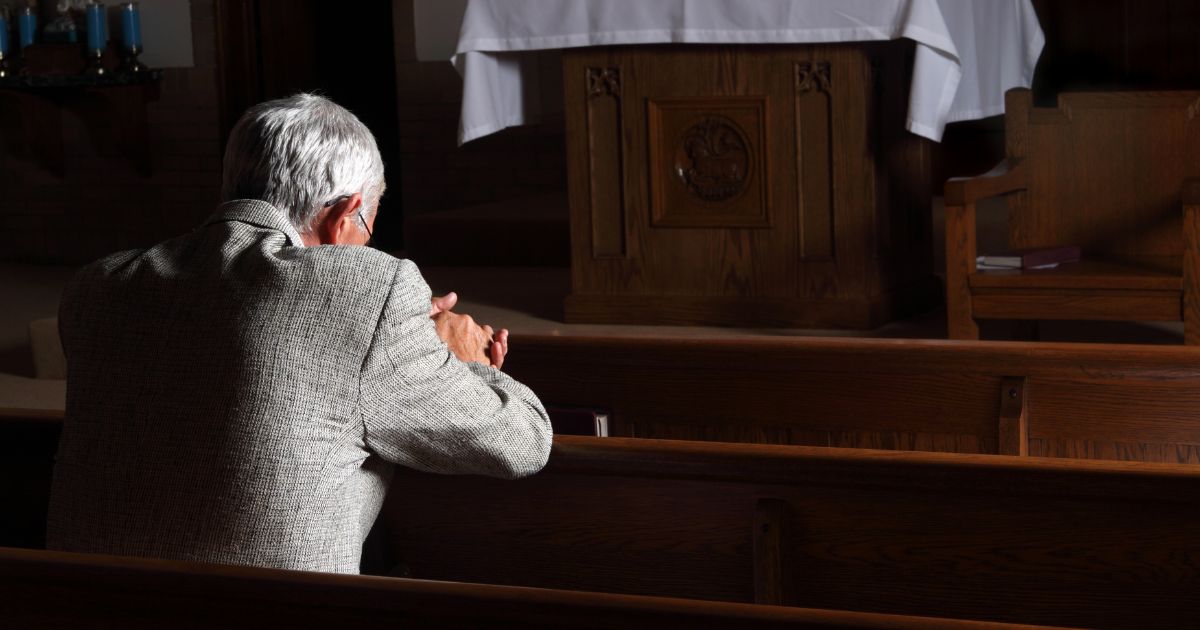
[{"x": 235, "y": 397}]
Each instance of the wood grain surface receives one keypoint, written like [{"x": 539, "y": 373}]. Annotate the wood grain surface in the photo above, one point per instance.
[
  {"x": 65, "y": 590},
  {"x": 746, "y": 185},
  {"x": 1079, "y": 400},
  {"x": 1103, "y": 171},
  {"x": 1093, "y": 544}
]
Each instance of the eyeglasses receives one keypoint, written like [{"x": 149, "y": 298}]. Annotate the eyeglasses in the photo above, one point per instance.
[
  {"x": 362, "y": 209},
  {"x": 335, "y": 200}
]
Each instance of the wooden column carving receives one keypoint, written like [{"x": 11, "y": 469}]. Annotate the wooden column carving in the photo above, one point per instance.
[
  {"x": 814, "y": 166},
  {"x": 606, "y": 161},
  {"x": 814, "y": 120}
]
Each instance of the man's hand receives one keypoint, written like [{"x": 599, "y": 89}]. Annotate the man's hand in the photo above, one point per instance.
[{"x": 469, "y": 341}]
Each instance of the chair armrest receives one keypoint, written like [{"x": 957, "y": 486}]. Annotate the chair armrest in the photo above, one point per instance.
[{"x": 1007, "y": 177}]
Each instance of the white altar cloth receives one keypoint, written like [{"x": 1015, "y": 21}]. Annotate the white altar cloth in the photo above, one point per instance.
[{"x": 969, "y": 52}]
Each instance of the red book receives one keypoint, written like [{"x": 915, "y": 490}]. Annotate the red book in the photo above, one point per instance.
[{"x": 1030, "y": 258}]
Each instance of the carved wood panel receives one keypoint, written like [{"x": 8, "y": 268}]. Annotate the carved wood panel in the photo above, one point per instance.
[
  {"x": 708, "y": 163},
  {"x": 753, "y": 184}
]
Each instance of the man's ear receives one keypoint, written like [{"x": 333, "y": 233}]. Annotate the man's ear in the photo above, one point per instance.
[{"x": 338, "y": 223}]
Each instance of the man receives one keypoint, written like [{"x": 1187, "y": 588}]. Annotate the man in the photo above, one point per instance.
[{"x": 240, "y": 394}]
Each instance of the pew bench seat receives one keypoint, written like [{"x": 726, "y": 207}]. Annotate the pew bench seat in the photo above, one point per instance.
[{"x": 43, "y": 589}]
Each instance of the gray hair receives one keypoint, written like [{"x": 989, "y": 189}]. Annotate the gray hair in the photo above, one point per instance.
[{"x": 300, "y": 153}]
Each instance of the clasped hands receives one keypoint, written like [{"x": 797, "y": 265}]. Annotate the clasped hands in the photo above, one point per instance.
[{"x": 468, "y": 340}]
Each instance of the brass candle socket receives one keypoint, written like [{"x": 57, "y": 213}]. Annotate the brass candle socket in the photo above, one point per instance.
[
  {"x": 95, "y": 65},
  {"x": 129, "y": 61}
]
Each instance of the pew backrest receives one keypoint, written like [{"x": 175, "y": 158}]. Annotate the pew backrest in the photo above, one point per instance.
[
  {"x": 1086, "y": 401},
  {"x": 1098, "y": 401},
  {"x": 1021, "y": 540}
]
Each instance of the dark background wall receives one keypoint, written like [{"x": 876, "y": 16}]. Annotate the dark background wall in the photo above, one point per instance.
[
  {"x": 346, "y": 51},
  {"x": 1103, "y": 44},
  {"x": 92, "y": 199}
]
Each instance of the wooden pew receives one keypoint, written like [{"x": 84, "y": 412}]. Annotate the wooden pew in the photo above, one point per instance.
[
  {"x": 1022, "y": 540},
  {"x": 1094, "y": 401},
  {"x": 1088, "y": 401},
  {"x": 41, "y": 589}
]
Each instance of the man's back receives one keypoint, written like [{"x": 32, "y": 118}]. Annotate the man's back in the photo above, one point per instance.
[{"x": 233, "y": 399}]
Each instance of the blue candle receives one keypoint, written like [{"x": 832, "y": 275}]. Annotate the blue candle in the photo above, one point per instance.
[
  {"x": 26, "y": 25},
  {"x": 97, "y": 37},
  {"x": 131, "y": 26},
  {"x": 3, "y": 34}
]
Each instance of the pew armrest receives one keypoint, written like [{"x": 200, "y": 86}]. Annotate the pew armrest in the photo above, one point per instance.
[{"x": 1007, "y": 177}]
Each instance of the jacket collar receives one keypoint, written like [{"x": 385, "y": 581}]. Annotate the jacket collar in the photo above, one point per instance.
[{"x": 259, "y": 213}]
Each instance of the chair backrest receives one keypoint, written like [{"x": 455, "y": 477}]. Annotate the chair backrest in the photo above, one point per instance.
[
  {"x": 1026, "y": 540},
  {"x": 1105, "y": 171}
]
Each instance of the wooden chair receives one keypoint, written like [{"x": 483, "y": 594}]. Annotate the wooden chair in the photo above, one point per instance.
[{"x": 1108, "y": 172}]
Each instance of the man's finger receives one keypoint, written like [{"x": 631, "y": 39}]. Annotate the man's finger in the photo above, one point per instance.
[
  {"x": 497, "y": 352},
  {"x": 499, "y": 348},
  {"x": 442, "y": 303}
]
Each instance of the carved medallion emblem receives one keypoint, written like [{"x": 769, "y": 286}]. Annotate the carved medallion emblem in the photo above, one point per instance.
[{"x": 713, "y": 159}]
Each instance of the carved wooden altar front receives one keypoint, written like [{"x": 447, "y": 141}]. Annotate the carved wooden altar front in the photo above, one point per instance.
[{"x": 746, "y": 185}]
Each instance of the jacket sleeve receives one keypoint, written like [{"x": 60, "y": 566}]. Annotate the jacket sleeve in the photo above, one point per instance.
[{"x": 425, "y": 409}]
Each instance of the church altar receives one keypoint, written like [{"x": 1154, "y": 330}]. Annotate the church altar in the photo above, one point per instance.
[{"x": 748, "y": 162}]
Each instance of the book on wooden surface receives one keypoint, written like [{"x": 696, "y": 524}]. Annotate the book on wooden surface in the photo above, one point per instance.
[
  {"x": 578, "y": 421},
  {"x": 1032, "y": 258}
]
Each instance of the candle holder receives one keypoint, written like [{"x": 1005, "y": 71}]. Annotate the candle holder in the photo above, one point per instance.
[
  {"x": 4, "y": 69},
  {"x": 26, "y": 26},
  {"x": 131, "y": 37},
  {"x": 97, "y": 39},
  {"x": 130, "y": 63},
  {"x": 95, "y": 65}
]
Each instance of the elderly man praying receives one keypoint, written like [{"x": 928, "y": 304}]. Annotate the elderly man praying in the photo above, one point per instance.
[{"x": 240, "y": 394}]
